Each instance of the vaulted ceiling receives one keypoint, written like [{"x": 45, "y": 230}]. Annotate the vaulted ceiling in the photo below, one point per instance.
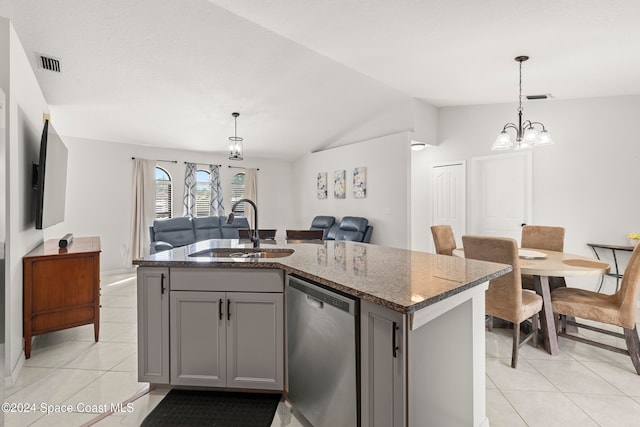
[{"x": 304, "y": 73}]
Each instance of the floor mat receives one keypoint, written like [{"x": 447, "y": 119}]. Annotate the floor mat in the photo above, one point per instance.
[{"x": 213, "y": 408}]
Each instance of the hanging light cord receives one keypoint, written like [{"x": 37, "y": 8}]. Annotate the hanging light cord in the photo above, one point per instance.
[{"x": 520, "y": 88}]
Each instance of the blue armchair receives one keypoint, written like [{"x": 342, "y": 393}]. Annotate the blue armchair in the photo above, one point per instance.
[
  {"x": 352, "y": 228},
  {"x": 323, "y": 223}
]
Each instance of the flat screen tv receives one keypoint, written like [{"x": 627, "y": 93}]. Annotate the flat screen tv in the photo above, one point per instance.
[{"x": 50, "y": 179}]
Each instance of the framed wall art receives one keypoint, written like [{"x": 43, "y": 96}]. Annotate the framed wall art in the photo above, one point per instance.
[
  {"x": 322, "y": 185},
  {"x": 340, "y": 184},
  {"x": 360, "y": 182}
]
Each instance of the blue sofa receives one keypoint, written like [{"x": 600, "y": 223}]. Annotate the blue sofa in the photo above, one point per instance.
[
  {"x": 171, "y": 233},
  {"x": 352, "y": 228}
]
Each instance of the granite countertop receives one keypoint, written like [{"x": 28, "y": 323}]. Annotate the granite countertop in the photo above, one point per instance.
[{"x": 401, "y": 280}]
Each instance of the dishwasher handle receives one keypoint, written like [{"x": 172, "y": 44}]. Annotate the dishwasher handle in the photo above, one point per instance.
[
  {"x": 327, "y": 297},
  {"x": 314, "y": 302}
]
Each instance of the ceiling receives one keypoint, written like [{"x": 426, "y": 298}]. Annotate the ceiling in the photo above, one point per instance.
[{"x": 304, "y": 73}]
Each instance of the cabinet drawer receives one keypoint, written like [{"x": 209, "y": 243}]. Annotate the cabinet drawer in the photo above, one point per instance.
[{"x": 227, "y": 279}]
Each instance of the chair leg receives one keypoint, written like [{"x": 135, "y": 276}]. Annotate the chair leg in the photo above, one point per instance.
[
  {"x": 633, "y": 346},
  {"x": 563, "y": 323},
  {"x": 516, "y": 344},
  {"x": 535, "y": 324},
  {"x": 490, "y": 323}
]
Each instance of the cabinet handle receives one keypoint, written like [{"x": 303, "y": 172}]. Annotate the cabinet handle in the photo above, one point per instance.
[
  {"x": 393, "y": 341},
  {"x": 220, "y": 308},
  {"x": 162, "y": 284},
  {"x": 228, "y": 309}
]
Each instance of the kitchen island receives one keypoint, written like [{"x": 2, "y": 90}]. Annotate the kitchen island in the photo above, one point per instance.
[{"x": 421, "y": 337}]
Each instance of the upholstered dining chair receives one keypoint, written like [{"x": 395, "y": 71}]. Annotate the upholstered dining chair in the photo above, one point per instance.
[
  {"x": 546, "y": 238},
  {"x": 618, "y": 309},
  {"x": 505, "y": 297},
  {"x": 443, "y": 239}
]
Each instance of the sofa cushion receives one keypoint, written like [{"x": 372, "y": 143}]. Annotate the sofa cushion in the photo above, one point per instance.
[
  {"x": 230, "y": 231},
  {"x": 367, "y": 234},
  {"x": 331, "y": 233},
  {"x": 352, "y": 228},
  {"x": 322, "y": 222},
  {"x": 207, "y": 227},
  {"x": 353, "y": 223},
  {"x": 355, "y": 236},
  {"x": 177, "y": 231}
]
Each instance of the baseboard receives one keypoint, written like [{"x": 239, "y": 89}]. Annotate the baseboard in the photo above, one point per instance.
[{"x": 10, "y": 380}]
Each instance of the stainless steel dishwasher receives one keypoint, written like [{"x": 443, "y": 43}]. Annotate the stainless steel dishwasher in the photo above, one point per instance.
[{"x": 322, "y": 328}]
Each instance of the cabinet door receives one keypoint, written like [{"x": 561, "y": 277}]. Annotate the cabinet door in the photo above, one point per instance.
[
  {"x": 198, "y": 322},
  {"x": 153, "y": 325},
  {"x": 383, "y": 357},
  {"x": 255, "y": 346}
]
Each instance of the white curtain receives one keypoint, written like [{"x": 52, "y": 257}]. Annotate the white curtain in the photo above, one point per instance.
[
  {"x": 142, "y": 206},
  {"x": 217, "y": 209},
  {"x": 251, "y": 191},
  {"x": 190, "y": 181}
]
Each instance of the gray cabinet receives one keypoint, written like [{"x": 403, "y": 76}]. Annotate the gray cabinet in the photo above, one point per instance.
[
  {"x": 383, "y": 364},
  {"x": 224, "y": 332},
  {"x": 198, "y": 345},
  {"x": 415, "y": 374},
  {"x": 255, "y": 341},
  {"x": 153, "y": 325}
]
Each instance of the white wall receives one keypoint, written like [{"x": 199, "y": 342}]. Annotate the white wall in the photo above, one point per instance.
[
  {"x": 585, "y": 182},
  {"x": 99, "y": 188},
  {"x": 386, "y": 204},
  {"x": 26, "y": 105},
  {"x": 3, "y": 170}
]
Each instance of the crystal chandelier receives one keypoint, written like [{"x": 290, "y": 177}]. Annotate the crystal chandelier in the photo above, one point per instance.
[
  {"x": 526, "y": 134},
  {"x": 235, "y": 142}
]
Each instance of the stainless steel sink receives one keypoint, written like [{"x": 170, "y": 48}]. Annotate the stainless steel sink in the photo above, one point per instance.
[{"x": 243, "y": 253}]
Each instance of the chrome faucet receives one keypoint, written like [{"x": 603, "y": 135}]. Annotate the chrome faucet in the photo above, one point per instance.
[{"x": 255, "y": 238}]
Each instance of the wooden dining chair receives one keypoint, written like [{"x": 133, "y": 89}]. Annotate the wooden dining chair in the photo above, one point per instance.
[
  {"x": 505, "y": 298},
  {"x": 265, "y": 234},
  {"x": 618, "y": 309},
  {"x": 546, "y": 238},
  {"x": 443, "y": 239},
  {"x": 304, "y": 236}
]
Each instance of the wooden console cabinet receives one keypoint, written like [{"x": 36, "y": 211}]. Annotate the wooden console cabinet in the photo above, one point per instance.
[{"x": 61, "y": 288}]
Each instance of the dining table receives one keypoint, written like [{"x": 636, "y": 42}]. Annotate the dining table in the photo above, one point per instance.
[{"x": 543, "y": 264}]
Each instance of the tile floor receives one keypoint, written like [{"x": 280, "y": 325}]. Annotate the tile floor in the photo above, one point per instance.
[{"x": 582, "y": 386}]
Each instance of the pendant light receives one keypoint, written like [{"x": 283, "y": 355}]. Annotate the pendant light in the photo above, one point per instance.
[
  {"x": 235, "y": 142},
  {"x": 526, "y": 134}
]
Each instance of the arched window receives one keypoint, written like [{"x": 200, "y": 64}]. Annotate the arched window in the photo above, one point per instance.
[
  {"x": 237, "y": 191},
  {"x": 203, "y": 193},
  {"x": 164, "y": 192}
]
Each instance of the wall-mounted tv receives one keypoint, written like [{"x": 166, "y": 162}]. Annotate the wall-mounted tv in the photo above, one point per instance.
[{"x": 50, "y": 179}]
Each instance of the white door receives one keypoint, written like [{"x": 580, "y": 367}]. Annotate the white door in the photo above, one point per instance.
[
  {"x": 449, "y": 197},
  {"x": 501, "y": 194}
]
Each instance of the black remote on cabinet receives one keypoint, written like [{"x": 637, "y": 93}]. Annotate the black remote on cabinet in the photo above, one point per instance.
[{"x": 66, "y": 240}]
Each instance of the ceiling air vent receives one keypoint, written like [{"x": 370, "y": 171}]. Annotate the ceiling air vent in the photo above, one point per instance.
[{"x": 48, "y": 63}]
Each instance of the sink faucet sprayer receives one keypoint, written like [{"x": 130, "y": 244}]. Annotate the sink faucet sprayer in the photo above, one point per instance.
[{"x": 255, "y": 238}]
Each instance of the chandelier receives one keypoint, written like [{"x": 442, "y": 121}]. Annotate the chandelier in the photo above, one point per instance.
[
  {"x": 526, "y": 134},
  {"x": 235, "y": 142}
]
